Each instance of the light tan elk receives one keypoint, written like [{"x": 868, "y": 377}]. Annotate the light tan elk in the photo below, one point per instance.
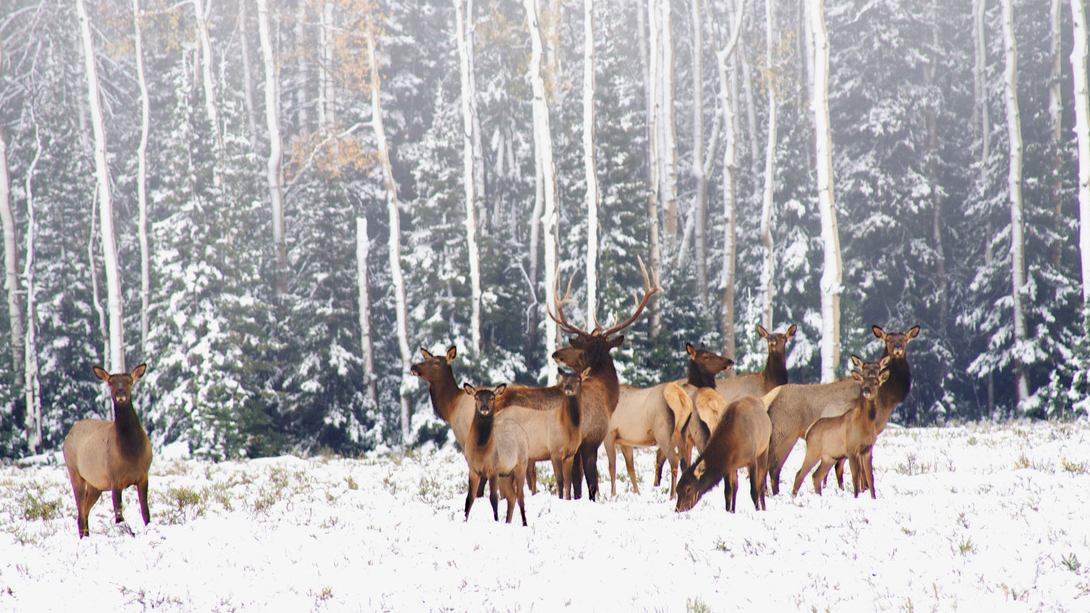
[
  {"x": 497, "y": 452},
  {"x": 600, "y": 390},
  {"x": 109, "y": 455},
  {"x": 740, "y": 439},
  {"x": 850, "y": 435},
  {"x": 798, "y": 406},
  {"x": 552, "y": 434},
  {"x": 450, "y": 404}
]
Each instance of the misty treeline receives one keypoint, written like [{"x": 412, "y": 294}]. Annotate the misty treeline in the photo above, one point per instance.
[{"x": 256, "y": 173}]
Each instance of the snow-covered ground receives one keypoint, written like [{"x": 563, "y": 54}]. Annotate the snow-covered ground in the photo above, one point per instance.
[{"x": 976, "y": 518}]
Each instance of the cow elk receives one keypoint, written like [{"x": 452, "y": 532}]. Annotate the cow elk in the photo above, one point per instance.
[
  {"x": 740, "y": 439},
  {"x": 641, "y": 419},
  {"x": 497, "y": 452},
  {"x": 798, "y": 406},
  {"x": 552, "y": 434},
  {"x": 600, "y": 390},
  {"x": 850, "y": 435},
  {"x": 109, "y": 455}
]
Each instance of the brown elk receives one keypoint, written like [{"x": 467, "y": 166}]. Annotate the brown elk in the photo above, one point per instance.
[
  {"x": 740, "y": 439},
  {"x": 109, "y": 455},
  {"x": 641, "y": 419},
  {"x": 450, "y": 404},
  {"x": 849, "y": 435},
  {"x": 600, "y": 390},
  {"x": 798, "y": 406},
  {"x": 552, "y": 434},
  {"x": 497, "y": 452}
]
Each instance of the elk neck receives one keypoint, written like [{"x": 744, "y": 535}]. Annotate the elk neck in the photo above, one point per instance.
[
  {"x": 444, "y": 395},
  {"x": 482, "y": 430},
  {"x": 572, "y": 409},
  {"x": 775, "y": 372},
  {"x": 896, "y": 388},
  {"x": 698, "y": 377},
  {"x": 131, "y": 437}
]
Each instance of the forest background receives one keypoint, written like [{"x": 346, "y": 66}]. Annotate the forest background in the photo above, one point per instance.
[{"x": 257, "y": 169}]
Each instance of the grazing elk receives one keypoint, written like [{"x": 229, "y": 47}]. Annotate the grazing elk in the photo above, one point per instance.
[
  {"x": 450, "y": 404},
  {"x": 553, "y": 433},
  {"x": 109, "y": 455},
  {"x": 496, "y": 451},
  {"x": 798, "y": 406},
  {"x": 740, "y": 439},
  {"x": 600, "y": 390},
  {"x": 849, "y": 435}
]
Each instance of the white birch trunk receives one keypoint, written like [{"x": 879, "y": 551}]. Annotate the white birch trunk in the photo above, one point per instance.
[
  {"x": 590, "y": 163},
  {"x": 700, "y": 176},
  {"x": 393, "y": 210},
  {"x": 654, "y": 68},
  {"x": 981, "y": 115},
  {"x": 478, "y": 140},
  {"x": 301, "y": 65},
  {"x": 830, "y": 237},
  {"x": 363, "y": 246},
  {"x": 325, "y": 79},
  {"x": 11, "y": 263},
  {"x": 141, "y": 182},
  {"x": 544, "y": 147},
  {"x": 276, "y": 148},
  {"x": 730, "y": 168},
  {"x": 1014, "y": 186},
  {"x": 669, "y": 123},
  {"x": 469, "y": 170},
  {"x": 201, "y": 16},
  {"x": 247, "y": 72},
  {"x": 1082, "y": 131},
  {"x": 1055, "y": 112},
  {"x": 32, "y": 385},
  {"x": 769, "y": 262},
  {"x": 116, "y": 355}
]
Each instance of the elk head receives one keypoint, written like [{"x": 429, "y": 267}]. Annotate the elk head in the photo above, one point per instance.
[
  {"x": 708, "y": 362},
  {"x": 485, "y": 398},
  {"x": 433, "y": 367},
  {"x": 777, "y": 343},
  {"x": 120, "y": 384},
  {"x": 570, "y": 382},
  {"x": 897, "y": 342},
  {"x": 871, "y": 375}
]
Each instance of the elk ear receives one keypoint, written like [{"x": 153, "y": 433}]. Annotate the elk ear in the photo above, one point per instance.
[
  {"x": 761, "y": 331},
  {"x": 138, "y": 372},
  {"x": 858, "y": 376},
  {"x": 880, "y": 333},
  {"x": 911, "y": 334},
  {"x": 614, "y": 343},
  {"x": 585, "y": 374},
  {"x": 857, "y": 361},
  {"x": 469, "y": 390},
  {"x": 500, "y": 389},
  {"x": 102, "y": 375},
  {"x": 453, "y": 351},
  {"x": 885, "y": 362},
  {"x": 424, "y": 352},
  {"x": 883, "y": 377},
  {"x": 791, "y": 331},
  {"x": 690, "y": 350},
  {"x": 698, "y": 469}
]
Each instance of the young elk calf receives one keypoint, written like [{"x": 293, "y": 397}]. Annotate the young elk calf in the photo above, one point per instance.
[
  {"x": 109, "y": 455},
  {"x": 739, "y": 439},
  {"x": 496, "y": 451},
  {"x": 850, "y": 435}
]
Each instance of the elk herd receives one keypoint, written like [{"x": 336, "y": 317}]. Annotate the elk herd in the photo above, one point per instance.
[{"x": 750, "y": 420}]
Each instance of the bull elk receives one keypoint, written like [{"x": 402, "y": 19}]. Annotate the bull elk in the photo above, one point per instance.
[
  {"x": 109, "y": 455},
  {"x": 740, "y": 439},
  {"x": 850, "y": 435},
  {"x": 798, "y": 406},
  {"x": 497, "y": 452},
  {"x": 600, "y": 390}
]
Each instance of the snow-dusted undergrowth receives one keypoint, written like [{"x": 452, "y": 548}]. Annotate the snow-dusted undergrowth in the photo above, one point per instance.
[{"x": 975, "y": 518}]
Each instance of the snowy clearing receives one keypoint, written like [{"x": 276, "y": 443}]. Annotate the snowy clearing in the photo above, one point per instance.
[{"x": 980, "y": 517}]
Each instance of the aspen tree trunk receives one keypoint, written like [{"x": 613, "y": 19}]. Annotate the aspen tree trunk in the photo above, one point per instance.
[
  {"x": 1055, "y": 112},
  {"x": 11, "y": 263},
  {"x": 301, "y": 65},
  {"x": 590, "y": 164},
  {"x": 730, "y": 168},
  {"x": 32, "y": 389},
  {"x": 930, "y": 69},
  {"x": 751, "y": 112},
  {"x": 276, "y": 148},
  {"x": 1014, "y": 185},
  {"x": 393, "y": 211},
  {"x": 116, "y": 356},
  {"x": 326, "y": 119},
  {"x": 547, "y": 177},
  {"x": 201, "y": 16},
  {"x": 769, "y": 193},
  {"x": 363, "y": 245},
  {"x": 982, "y": 121},
  {"x": 669, "y": 123},
  {"x": 1082, "y": 131},
  {"x": 141, "y": 182},
  {"x": 700, "y": 176},
  {"x": 654, "y": 68},
  {"x": 478, "y": 141},
  {"x": 247, "y": 72},
  {"x": 469, "y": 160},
  {"x": 831, "y": 269}
]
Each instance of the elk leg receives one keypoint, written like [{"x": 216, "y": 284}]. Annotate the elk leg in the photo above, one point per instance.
[
  {"x": 577, "y": 474},
  {"x": 660, "y": 460},
  {"x": 611, "y": 458},
  {"x": 780, "y": 448},
  {"x": 531, "y": 476},
  {"x": 566, "y": 467},
  {"x": 840, "y": 473},
  {"x": 493, "y": 497},
  {"x": 626, "y": 450},
  {"x": 471, "y": 491},
  {"x": 118, "y": 516},
  {"x": 590, "y": 469},
  {"x": 807, "y": 463},
  {"x": 507, "y": 485},
  {"x": 90, "y": 497},
  {"x": 754, "y": 473},
  {"x": 857, "y": 473},
  {"x": 558, "y": 471},
  {"x": 820, "y": 474},
  {"x": 520, "y": 494},
  {"x": 142, "y": 493},
  {"x": 868, "y": 471},
  {"x": 731, "y": 489}
]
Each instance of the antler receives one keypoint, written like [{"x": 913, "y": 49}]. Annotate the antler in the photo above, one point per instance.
[
  {"x": 560, "y": 319},
  {"x": 649, "y": 290}
]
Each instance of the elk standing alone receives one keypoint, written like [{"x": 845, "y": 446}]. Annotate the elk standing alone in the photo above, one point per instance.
[{"x": 109, "y": 455}]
